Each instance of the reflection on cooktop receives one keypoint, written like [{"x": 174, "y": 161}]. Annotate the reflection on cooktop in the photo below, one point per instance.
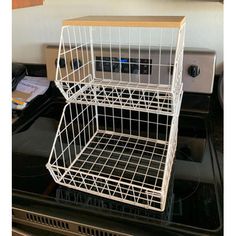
[
  {"x": 190, "y": 149},
  {"x": 198, "y": 209}
]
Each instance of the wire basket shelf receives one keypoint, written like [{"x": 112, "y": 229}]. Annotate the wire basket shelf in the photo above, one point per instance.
[
  {"x": 118, "y": 132},
  {"x": 115, "y": 153},
  {"x": 145, "y": 59},
  {"x": 133, "y": 99}
]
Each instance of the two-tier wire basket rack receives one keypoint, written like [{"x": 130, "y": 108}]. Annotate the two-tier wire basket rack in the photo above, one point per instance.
[{"x": 122, "y": 79}]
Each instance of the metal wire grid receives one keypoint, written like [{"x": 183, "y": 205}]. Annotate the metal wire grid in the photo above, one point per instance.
[
  {"x": 71, "y": 196},
  {"x": 120, "y": 57},
  {"x": 114, "y": 153},
  {"x": 133, "y": 99},
  {"x": 117, "y": 135}
]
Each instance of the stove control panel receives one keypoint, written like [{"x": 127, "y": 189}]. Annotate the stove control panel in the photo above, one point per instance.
[
  {"x": 198, "y": 71},
  {"x": 124, "y": 65},
  {"x": 198, "y": 65}
]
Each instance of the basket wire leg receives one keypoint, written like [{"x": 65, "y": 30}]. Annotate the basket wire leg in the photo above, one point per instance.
[
  {"x": 170, "y": 61},
  {"x": 129, "y": 56},
  {"x": 139, "y": 54},
  {"x": 76, "y": 52},
  {"x": 58, "y": 70},
  {"x": 159, "y": 67},
  {"x": 82, "y": 50},
  {"x": 93, "y": 73},
  {"x": 110, "y": 49},
  {"x": 181, "y": 34},
  {"x": 71, "y": 57},
  {"x": 101, "y": 51},
  {"x": 87, "y": 50},
  {"x": 119, "y": 44}
]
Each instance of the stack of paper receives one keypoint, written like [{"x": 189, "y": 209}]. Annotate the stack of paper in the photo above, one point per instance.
[{"x": 27, "y": 89}]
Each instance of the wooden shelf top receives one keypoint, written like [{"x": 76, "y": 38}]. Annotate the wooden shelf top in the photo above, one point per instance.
[{"x": 128, "y": 21}]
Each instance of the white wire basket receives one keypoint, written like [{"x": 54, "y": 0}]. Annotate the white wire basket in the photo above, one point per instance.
[
  {"x": 107, "y": 60},
  {"x": 122, "y": 79},
  {"x": 115, "y": 153}
]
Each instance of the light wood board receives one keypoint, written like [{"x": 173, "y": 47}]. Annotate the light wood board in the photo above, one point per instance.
[{"x": 128, "y": 21}]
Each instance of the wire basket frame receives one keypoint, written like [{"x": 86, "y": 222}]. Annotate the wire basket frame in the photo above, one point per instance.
[
  {"x": 115, "y": 153},
  {"x": 118, "y": 132},
  {"x": 104, "y": 65}
]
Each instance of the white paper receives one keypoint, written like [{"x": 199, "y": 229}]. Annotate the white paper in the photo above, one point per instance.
[{"x": 33, "y": 85}]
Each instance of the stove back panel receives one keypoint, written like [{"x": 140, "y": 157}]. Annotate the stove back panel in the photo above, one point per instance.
[{"x": 198, "y": 65}]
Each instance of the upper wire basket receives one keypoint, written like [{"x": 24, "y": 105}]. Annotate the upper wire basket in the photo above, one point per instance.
[
  {"x": 122, "y": 79},
  {"x": 129, "y": 62}
]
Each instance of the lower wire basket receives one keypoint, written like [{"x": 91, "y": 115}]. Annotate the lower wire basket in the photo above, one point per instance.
[{"x": 118, "y": 154}]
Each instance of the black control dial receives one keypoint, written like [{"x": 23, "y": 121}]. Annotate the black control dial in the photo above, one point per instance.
[
  {"x": 62, "y": 63},
  {"x": 75, "y": 63},
  {"x": 194, "y": 70}
]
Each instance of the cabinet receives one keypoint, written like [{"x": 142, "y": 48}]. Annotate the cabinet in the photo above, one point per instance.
[{"x": 26, "y": 3}]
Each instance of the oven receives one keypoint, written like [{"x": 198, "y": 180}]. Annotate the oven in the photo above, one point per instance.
[{"x": 195, "y": 199}]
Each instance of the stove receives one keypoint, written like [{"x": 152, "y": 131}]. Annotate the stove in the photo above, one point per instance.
[{"x": 194, "y": 202}]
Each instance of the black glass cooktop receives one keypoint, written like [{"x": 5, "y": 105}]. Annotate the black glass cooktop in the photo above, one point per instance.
[{"x": 194, "y": 198}]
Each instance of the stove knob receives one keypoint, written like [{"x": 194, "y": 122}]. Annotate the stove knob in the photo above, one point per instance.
[
  {"x": 62, "y": 63},
  {"x": 75, "y": 63},
  {"x": 193, "y": 71}
]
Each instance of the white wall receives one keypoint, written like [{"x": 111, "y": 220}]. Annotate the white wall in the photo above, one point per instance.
[{"x": 36, "y": 26}]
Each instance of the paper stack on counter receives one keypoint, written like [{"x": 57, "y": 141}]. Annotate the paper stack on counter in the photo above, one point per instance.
[{"x": 27, "y": 89}]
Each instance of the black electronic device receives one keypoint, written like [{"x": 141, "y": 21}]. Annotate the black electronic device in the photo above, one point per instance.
[{"x": 18, "y": 73}]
